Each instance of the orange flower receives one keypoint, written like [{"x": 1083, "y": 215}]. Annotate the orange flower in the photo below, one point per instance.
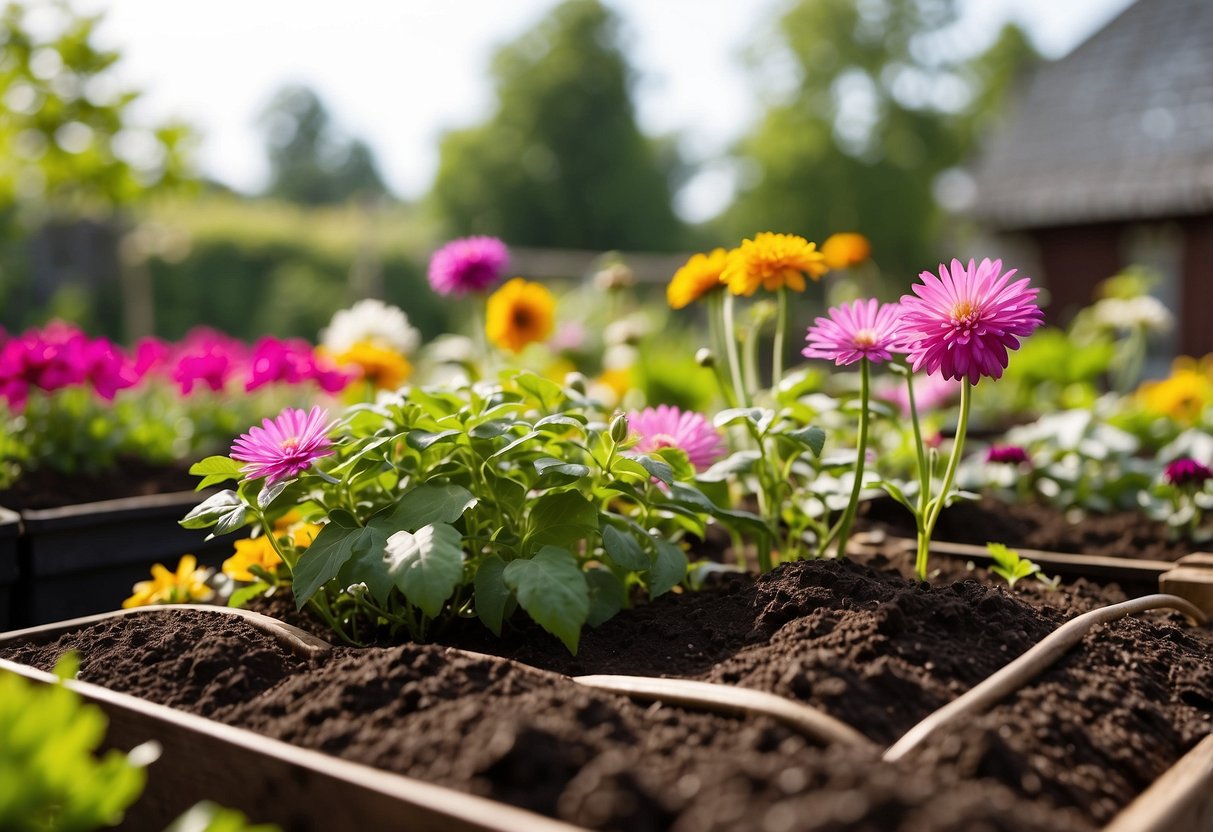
[
  {"x": 772, "y": 261},
  {"x": 847, "y": 249},
  {"x": 699, "y": 276}
]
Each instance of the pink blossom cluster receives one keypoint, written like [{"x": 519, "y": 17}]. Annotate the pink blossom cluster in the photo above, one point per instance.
[{"x": 60, "y": 355}]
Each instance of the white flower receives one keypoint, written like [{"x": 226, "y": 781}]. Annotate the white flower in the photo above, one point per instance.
[
  {"x": 1144, "y": 311},
  {"x": 374, "y": 321}
]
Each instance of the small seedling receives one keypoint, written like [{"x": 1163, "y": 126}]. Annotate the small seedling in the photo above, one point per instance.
[{"x": 1009, "y": 565}]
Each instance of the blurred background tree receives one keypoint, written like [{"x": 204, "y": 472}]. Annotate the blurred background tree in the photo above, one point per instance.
[
  {"x": 311, "y": 160},
  {"x": 71, "y": 166},
  {"x": 888, "y": 100},
  {"x": 561, "y": 162}
]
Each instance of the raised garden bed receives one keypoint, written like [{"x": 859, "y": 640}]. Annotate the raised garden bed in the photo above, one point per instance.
[{"x": 1070, "y": 749}]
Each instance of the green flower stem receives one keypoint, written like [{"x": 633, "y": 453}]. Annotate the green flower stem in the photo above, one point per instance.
[
  {"x": 749, "y": 358},
  {"x": 730, "y": 344},
  {"x": 781, "y": 330},
  {"x": 716, "y": 340},
  {"x": 924, "y": 473},
  {"x": 848, "y": 517},
  {"x": 935, "y": 507}
]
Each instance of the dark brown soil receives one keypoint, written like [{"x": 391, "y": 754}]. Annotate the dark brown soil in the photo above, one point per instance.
[
  {"x": 870, "y": 648},
  {"x": 45, "y": 488},
  {"x": 1124, "y": 534}
]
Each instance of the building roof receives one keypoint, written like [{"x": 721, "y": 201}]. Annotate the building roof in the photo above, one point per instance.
[{"x": 1119, "y": 129}]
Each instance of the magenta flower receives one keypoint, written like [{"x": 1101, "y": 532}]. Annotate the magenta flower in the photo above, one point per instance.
[
  {"x": 286, "y": 446},
  {"x": 1008, "y": 454},
  {"x": 1186, "y": 471},
  {"x": 669, "y": 427},
  {"x": 470, "y": 264},
  {"x": 863, "y": 329},
  {"x": 961, "y": 323},
  {"x": 207, "y": 358}
]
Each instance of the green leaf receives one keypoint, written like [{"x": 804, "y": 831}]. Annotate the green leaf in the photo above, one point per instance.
[
  {"x": 668, "y": 570},
  {"x": 366, "y": 564},
  {"x": 561, "y": 519},
  {"x": 215, "y": 469},
  {"x": 626, "y": 465},
  {"x": 677, "y": 459},
  {"x": 429, "y": 504},
  {"x": 735, "y": 518},
  {"x": 553, "y": 591},
  {"x": 426, "y": 566},
  {"x": 813, "y": 438},
  {"x": 657, "y": 467},
  {"x": 758, "y": 417},
  {"x": 335, "y": 545},
  {"x": 247, "y": 593},
  {"x": 894, "y": 491},
  {"x": 491, "y": 593},
  {"x": 548, "y": 392},
  {"x": 209, "y": 511},
  {"x": 625, "y": 550},
  {"x": 550, "y": 465},
  {"x": 492, "y": 429},
  {"x": 420, "y": 440},
  {"x": 229, "y": 522},
  {"x": 607, "y": 595},
  {"x": 562, "y": 420},
  {"x": 269, "y": 493}
]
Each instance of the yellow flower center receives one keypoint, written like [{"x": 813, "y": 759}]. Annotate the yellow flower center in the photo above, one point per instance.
[
  {"x": 291, "y": 443},
  {"x": 865, "y": 338},
  {"x": 964, "y": 313}
]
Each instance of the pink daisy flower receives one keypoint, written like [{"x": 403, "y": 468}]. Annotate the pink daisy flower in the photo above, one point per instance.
[
  {"x": 286, "y": 446},
  {"x": 863, "y": 329},
  {"x": 961, "y": 323},
  {"x": 470, "y": 264},
  {"x": 669, "y": 427}
]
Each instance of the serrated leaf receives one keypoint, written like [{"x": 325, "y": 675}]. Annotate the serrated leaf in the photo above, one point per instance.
[
  {"x": 552, "y": 589},
  {"x": 333, "y": 546},
  {"x": 623, "y": 548},
  {"x": 607, "y": 595},
  {"x": 561, "y": 519},
  {"x": 551, "y": 465},
  {"x": 215, "y": 469},
  {"x": 428, "y": 504},
  {"x": 208, "y": 512},
  {"x": 668, "y": 570},
  {"x": 426, "y": 566},
  {"x": 492, "y": 594}
]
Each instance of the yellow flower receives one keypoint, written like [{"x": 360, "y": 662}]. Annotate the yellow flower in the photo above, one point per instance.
[
  {"x": 185, "y": 585},
  {"x": 772, "y": 261},
  {"x": 618, "y": 381},
  {"x": 1183, "y": 395},
  {"x": 700, "y": 275},
  {"x": 252, "y": 551},
  {"x": 287, "y": 520},
  {"x": 844, "y": 250},
  {"x": 302, "y": 534},
  {"x": 384, "y": 368},
  {"x": 519, "y": 313}
]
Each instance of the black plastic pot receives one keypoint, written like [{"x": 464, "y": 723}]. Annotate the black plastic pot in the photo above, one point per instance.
[
  {"x": 10, "y": 529},
  {"x": 84, "y": 559}
]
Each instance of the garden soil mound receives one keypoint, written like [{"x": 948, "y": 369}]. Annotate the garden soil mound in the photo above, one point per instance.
[{"x": 872, "y": 649}]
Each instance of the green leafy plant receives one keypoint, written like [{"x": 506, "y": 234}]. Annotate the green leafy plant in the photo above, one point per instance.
[
  {"x": 472, "y": 502},
  {"x": 50, "y": 776},
  {"x": 1012, "y": 568}
]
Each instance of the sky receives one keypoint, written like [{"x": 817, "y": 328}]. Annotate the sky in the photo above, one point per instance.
[{"x": 399, "y": 73}]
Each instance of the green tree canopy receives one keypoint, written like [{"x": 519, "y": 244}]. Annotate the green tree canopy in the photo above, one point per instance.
[
  {"x": 311, "y": 160},
  {"x": 887, "y": 98},
  {"x": 66, "y": 142},
  {"x": 561, "y": 162}
]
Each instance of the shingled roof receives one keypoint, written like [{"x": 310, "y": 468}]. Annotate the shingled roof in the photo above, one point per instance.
[{"x": 1121, "y": 128}]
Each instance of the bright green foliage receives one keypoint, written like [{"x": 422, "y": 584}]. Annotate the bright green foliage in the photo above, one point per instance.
[
  {"x": 1009, "y": 565},
  {"x": 209, "y": 817},
  {"x": 60, "y": 145},
  {"x": 883, "y": 104},
  {"x": 50, "y": 776},
  {"x": 561, "y": 162},
  {"x": 477, "y": 501}
]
